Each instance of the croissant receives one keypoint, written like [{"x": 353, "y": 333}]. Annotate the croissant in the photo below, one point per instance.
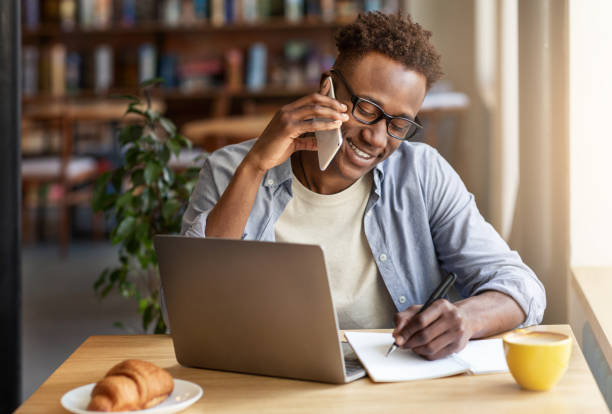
[{"x": 131, "y": 385}]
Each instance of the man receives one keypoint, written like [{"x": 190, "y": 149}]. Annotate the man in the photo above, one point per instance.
[{"x": 391, "y": 215}]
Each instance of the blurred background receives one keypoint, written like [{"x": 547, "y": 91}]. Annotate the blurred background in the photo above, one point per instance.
[{"x": 520, "y": 114}]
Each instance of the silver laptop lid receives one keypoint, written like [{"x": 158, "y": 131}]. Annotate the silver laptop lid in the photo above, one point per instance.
[{"x": 254, "y": 307}]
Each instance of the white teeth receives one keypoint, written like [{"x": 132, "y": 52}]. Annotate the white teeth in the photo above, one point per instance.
[{"x": 359, "y": 152}]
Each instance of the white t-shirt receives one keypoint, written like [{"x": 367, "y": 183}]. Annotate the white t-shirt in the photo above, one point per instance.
[{"x": 335, "y": 222}]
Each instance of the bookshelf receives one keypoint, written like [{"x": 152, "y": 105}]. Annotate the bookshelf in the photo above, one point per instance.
[{"x": 217, "y": 57}]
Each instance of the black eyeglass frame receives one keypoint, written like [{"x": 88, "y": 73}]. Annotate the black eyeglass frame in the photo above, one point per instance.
[{"x": 388, "y": 118}]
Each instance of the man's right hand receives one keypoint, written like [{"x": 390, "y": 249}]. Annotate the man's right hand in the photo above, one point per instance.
[{"x": 292, "y": 127}]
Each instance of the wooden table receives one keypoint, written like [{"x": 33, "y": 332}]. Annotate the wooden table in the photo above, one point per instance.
[{"x": 226, "y": 392}]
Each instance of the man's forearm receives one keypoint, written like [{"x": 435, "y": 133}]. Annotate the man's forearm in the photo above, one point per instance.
[
  {"x": 490, "y": 313},
  {"x": 229, "y": 216}
]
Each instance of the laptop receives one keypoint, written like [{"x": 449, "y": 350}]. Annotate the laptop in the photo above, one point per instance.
[{"x": 253, "y": 307}]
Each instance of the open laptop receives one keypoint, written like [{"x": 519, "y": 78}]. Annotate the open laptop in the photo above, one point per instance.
[{"x": 253, "y": 307}]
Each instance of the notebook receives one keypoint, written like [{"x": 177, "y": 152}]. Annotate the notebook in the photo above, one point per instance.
[{"x": 478, "y": 357}]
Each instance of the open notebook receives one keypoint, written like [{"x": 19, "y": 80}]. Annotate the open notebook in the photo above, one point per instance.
[{"x": 478, "y": 357}]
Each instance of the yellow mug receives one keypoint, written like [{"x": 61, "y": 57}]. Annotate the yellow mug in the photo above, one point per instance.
[{"x": 537, "y": 359}]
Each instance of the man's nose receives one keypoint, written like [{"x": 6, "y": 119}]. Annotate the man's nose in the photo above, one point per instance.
[{"x": 375, "y": 135}]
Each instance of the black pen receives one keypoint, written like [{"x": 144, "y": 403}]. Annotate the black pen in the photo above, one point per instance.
[{"x": 438, "y": 293}]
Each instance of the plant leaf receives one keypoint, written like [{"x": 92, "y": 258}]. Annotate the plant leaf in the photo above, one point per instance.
[
  {"x": 170, "y": 208},
  {"x": 151, "y": 172},
  {"x": 130, "y": 133},
  {"x": 100, "y": 281},
  {"x": 132, "y": 98},
  {"x": 168, "y": 125},
  {"x": 152, "y": 81},
  {"x": 125, "y": 228},
  {"x": 138, "y": 177},
  {"x": 184, "y": 141},
  {"x": 147, "y": 316},
  {"x": 168, "y": 175},
  {"x": 117, "y": 178},
  {"x": 99, "y": 195},
  {"x": 164, "y": 154},
  {"x": 174, "y": 146}
]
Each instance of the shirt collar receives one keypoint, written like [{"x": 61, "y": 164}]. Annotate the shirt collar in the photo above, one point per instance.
[{"x": 282, "y": 173}]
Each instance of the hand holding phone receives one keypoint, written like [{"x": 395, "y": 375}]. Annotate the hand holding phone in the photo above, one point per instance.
[{"x": 329, "y": 141}]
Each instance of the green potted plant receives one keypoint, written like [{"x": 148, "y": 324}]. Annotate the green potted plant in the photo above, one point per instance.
[{"x": 145, "y": 197}]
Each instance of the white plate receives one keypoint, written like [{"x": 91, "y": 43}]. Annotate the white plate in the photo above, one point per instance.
[{"x": 183, "y": 395}]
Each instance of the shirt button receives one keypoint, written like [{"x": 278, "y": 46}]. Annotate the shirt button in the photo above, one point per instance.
[
  {"x": 369, "y": 213},
  {"x": 383, "y": 257},
  {"x": 270, "y": 182},
  {"x": 402, "y": 299}
]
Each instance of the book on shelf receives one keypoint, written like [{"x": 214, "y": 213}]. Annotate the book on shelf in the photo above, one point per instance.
[
  {"x": 371, "y": 5},
  {"x": 73, "y": 71},
  {"x": 86, "y": 13},
  {"x": 346, "y": 10},
  {"x": 328, "y": 10},
  {"x": 171, "y": 12},
  {"x": 200, "y": 9},
  {"x": 312, "y": 9},
  {"x": 30, "y": 70},
  {"x": 188, "y": 16},
  {"x": 168, "y": 70},
  {"x": 294, "y": 10},
  {"x": 390, "y": 6},
  {"x": 147, "y": 62},
  {"x": 233, "y": 69},
  {"x": 57, "y": 69},
  {"x": 31, "y": 14},
  {"x": 50, "y": 11},
  {"x": 67, "y": 13},
  {"x": 200, "y": 73},
  {"x": 249, "y": 11},
  {"x": 103, "y": 13},
  {"x": 128, "y": 12},
  {"x": 145, "y": 11},
  {"x": 217, "y": 12},
  {"x": 103, "y": 68},
  {"x": 256, "y": 67}
]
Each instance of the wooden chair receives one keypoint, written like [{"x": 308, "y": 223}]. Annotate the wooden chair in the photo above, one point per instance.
[
  {"x": 214, "y": 133},
  {"x": 72, "y": 175}
]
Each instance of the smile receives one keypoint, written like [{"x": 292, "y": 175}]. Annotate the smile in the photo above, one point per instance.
[{"x": 359, "y": 152}]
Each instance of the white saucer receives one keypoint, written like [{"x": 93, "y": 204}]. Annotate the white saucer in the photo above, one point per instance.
[{"x": 183, "y": 395}]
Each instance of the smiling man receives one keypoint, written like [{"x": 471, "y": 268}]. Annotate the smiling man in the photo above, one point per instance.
[{"x": 391, "y": 215}]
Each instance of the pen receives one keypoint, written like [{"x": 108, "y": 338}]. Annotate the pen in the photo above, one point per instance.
[{"x": 438, "y": 293}]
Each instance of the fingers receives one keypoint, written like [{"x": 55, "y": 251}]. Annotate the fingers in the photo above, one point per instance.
[
  {"x": 434, "y": 333},
  {"x": 418, "y": 322},
  {"x": 318, "y": 125},
  {"x": 440, "y": 347},
  {"x": 401, "y": 320},
  {"x": 316, "y": 99},
  {"x": 319, "y": 111}
]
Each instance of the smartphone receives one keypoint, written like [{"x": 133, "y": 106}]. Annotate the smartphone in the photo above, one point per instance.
[{"x": 329, "y": 141}]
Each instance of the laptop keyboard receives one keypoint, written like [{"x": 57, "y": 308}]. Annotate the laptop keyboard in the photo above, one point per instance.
[{"x": 352, "y": 365}]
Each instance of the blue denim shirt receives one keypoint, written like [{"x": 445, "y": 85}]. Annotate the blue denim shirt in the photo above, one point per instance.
[{"x": 420, "y": 220}]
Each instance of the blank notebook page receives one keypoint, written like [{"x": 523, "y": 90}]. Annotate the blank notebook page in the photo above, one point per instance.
[{"x": 405, "y": 365}]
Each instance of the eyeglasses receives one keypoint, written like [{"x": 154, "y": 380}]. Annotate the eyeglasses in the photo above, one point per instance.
[{"x": 369, "y": 113}]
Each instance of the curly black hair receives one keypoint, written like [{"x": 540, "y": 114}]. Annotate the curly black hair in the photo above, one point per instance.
[{"x": 393, "y": 36}]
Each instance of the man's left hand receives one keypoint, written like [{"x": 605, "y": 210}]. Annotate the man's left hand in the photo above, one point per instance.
[{"x": 440, "y": 330}]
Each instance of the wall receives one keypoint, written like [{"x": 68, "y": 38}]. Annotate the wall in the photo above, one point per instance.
[
  {"x": 453, "y": 27},
  {"x": 590, "y": 132}
]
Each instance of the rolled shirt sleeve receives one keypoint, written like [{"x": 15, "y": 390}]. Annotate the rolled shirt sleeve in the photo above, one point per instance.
[
  {"x": 470, "y": 247},
  {"x": 203, "y": 199}
]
